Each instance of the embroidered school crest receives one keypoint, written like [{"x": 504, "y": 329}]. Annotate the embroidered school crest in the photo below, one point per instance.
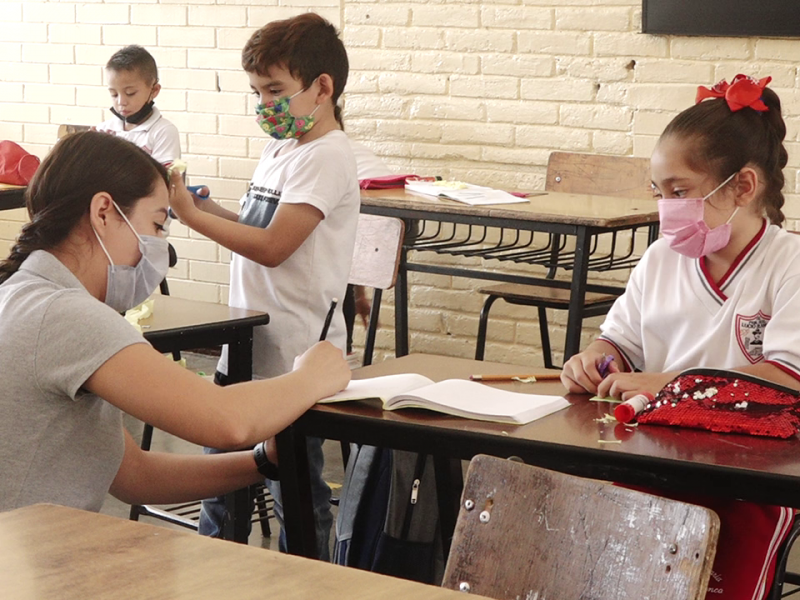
[{"x": 750, "y": 335}]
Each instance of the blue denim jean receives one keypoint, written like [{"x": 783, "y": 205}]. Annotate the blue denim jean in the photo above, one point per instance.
[{"x": 213, "y": 511}]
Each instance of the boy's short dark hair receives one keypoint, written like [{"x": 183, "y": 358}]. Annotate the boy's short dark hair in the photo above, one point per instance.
[
  {"x": 306, "y": 45},
  {"x": 136, "y": 59}
]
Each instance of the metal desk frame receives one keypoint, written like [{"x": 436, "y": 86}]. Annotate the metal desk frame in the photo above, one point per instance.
[{"x": 557, "y": 227}]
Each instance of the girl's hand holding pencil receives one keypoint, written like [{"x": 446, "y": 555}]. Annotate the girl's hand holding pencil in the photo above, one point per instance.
[{"x": 585, "y": 371}]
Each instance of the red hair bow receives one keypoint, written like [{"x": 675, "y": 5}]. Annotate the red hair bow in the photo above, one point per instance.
[{"x": 743, "y": 92}]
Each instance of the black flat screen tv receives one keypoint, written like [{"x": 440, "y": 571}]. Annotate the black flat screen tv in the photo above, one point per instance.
[{"x": 757, "y": 18}]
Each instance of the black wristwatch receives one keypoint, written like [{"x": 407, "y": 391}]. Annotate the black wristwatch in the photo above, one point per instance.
[{"x": 264, "y": 465}]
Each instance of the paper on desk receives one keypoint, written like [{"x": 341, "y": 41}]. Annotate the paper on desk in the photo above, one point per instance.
[
  {"x": 138, "y": 313},
  {"x": 474, "y": 195}
]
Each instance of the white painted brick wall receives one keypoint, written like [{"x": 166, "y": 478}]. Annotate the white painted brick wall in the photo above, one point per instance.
[{"x": 477, "y": 90}]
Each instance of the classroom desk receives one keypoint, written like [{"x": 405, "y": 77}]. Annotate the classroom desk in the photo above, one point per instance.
[
  {"x": 746, "y": 467},
  {"x": 49, "y": 551},
  {"x": 177, "y": 324},
  {"x": 535, "y": 232},
  {"x": 11, "y": 196}
]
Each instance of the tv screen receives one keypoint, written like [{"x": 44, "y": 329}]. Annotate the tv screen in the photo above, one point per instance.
[{"x": 767, "y": 18}]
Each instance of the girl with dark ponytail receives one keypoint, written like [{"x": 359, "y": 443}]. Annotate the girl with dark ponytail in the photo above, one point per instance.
[
  {"x": 95, "y": 246},
  {"x": 720, "y": 290}
]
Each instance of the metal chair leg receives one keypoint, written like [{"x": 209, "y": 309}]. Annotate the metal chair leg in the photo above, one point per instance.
[
  {"x": 372, "y": 329},
  {"x": 776, "y": 593},
  {"x": 263, "y": 511},
  {"x": 544, "y": 332},
  {"x": 483, "y": 323}
]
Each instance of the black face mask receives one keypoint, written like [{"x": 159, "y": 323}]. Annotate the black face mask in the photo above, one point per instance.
[{"x": 137, "y": 117}]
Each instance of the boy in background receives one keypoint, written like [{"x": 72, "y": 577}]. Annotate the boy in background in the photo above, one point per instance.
[
  {"x": 293, "y": 238},
  {"x": 132, "y": 78}
]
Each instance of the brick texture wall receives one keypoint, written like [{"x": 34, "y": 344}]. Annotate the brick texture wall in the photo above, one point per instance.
[{"x": 477, "y": 91}]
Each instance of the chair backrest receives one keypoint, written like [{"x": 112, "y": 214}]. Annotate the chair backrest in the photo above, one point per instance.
[
  {"x": 526, "y": 532},
  {"x": 65, "y": 129},
  {"x": 376, "y": 255},
  {"x": 573, "y": 173}
]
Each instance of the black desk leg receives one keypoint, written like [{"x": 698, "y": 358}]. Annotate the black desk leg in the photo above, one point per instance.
[
  {"x": 239, "y": 504},
  {"x": 580, "y": 271},
  {"x": 298, "y": 510},
  {"x": 652, "y": 233},
  {"x": 401, "y": 306},
  {"x": 449, "y": 485}
]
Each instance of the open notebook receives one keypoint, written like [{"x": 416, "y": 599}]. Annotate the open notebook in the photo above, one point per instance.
[
  {"x": 474, "y": 195},
  {"x": 456, "y": 397}
]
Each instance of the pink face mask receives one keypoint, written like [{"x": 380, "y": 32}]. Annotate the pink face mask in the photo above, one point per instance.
[{"x": 683, "y": 227}]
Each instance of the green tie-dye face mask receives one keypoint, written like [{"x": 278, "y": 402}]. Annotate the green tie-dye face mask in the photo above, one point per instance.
[{"x": 276, "y": 120}]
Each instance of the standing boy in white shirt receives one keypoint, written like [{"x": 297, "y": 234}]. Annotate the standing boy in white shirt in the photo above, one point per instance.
[
  {"x": 132, "y": 77},
  {"x": 293, "y": 239}
]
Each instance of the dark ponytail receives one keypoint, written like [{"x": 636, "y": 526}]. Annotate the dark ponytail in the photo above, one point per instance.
[
  {"x": 80, "y": 166},
  {"x": 725, "y": 142}
]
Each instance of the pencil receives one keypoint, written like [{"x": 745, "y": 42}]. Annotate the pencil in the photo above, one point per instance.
[
  {"x": 536, "y": 376},
  {"x": 328, "y": 318}
]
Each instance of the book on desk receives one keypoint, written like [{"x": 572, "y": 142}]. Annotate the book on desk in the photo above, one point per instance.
[
  {"x": 456, "y": 397},
  {"x": 474, "y": 195}
]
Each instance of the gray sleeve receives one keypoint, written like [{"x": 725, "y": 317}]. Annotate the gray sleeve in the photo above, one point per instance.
[{"x": 78, "y": 334}]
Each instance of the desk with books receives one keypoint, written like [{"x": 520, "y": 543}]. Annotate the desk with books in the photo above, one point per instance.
[
  {"x": 571, "y": 441},
  {"x": 537, "y": 232}
]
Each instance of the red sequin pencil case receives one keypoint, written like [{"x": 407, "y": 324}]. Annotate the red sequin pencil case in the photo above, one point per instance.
[{"x": 726, "y": 402}]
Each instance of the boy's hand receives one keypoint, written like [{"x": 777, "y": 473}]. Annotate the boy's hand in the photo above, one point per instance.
[
  {"x": 324, "y": 364},
  {"x": 181, "y": 200}
]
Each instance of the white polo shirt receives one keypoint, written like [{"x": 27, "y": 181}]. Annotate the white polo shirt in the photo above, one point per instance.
[
  {"x": 156, "y": 136},
  {"x": 673, "y": 316}
]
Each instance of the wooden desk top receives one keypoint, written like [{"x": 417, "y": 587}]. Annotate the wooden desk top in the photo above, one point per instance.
[
  {"x": 50, "y": 551},
  {"x": 170, "y": 313},
  {"x": 549, "y": 207},
  {"x": 573, "y": 437}
]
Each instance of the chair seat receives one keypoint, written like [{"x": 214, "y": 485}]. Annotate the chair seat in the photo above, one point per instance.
[{"x": 540, "y": 295}]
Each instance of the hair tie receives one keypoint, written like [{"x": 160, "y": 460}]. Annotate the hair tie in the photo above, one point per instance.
[{"x": 743, "y": 92}]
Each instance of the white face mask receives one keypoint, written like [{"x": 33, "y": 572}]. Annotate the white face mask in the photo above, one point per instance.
[{"x": 128, "y": 286}]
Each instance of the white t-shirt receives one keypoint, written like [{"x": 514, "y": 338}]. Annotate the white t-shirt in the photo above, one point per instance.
[
  {"x": 298, "y": 292},
  {"x": 60, "y": 444},
  {"x": 672, "y": 315},
  {"x": 156, "y": 136},
  {"x": 368, "y": 164}
]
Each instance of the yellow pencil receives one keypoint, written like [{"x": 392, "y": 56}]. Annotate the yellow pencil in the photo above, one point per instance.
[{"x": 535, "y": 376}]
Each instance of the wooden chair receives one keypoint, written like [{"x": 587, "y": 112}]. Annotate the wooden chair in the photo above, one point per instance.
[
  {"x": 65, "y": 129},
  {"x": 376, "y": 257},
  {"x": 621, "y": 176},
  {"x": 526, "y": 532}
]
